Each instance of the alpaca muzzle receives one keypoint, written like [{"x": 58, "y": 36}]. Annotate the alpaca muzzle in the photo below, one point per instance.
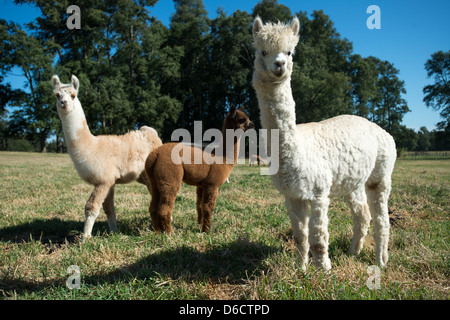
[
  {"x": 279, "y": 70},
  {"x": 250, "y": 125},
  {"x": 279, "y": 67}
]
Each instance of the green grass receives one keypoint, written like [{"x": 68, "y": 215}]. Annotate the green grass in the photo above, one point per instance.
[{"x": 249, "y": 253}]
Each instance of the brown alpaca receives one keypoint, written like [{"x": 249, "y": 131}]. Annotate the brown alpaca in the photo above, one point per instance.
[
  {"x": 166, "y": 171},
  {"x": 255, "y": 158}
]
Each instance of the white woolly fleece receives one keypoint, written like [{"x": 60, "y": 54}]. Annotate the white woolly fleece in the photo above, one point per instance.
[{"x": 343, "y": 156}]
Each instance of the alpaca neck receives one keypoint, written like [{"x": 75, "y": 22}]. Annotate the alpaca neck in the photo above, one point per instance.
[
  {"x": 277, "y": 106},
  {"x": 229, "y": 147},
  {"x": 76, "y": 130}
]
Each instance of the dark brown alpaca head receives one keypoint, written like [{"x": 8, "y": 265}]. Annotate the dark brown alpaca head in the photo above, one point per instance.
[{"x": 237, "y": 119}]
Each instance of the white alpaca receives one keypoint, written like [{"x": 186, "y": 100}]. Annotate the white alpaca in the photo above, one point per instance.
[
  {"x": 101, "y": 161},
  {"x": 342, "y": 156}
]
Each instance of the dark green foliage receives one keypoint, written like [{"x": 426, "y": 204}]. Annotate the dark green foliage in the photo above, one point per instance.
[
  {"x": 34, "y": 117},
  {"x": 270, "y": 10},
  {"x": 135, "y": 71},
  {"x": 437, "y": 95}
]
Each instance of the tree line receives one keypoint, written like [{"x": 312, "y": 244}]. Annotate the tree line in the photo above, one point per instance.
[{"x": 136, "y": 71}]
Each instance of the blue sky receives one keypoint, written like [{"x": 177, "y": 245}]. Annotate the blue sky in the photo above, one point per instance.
[{"x": 410, "y": 32}]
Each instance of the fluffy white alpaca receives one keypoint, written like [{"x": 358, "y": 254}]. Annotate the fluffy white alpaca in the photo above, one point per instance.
[
  {"x": 101, "y": 161},
  {"x": 342, "y": 156}
]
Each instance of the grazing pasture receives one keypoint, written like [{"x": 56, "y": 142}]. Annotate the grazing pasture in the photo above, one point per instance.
[{"x": 248, "y": 254}]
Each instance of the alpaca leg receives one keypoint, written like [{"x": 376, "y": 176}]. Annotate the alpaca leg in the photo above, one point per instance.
[
  {"x": 108, "y": 207},
  {"x": 92, "y": 208},
  {"x": 318, "y": 233},
  {"x": 357, "y": 201},
  {"x": 377, "y": 195},
  {"x": 154, "y": 203},
  {"x": 163, "y": 213},
  {"x": 208, "y": 204},
  {"x": 199, "y": 205},
  {"x": 299, "y": 215}
]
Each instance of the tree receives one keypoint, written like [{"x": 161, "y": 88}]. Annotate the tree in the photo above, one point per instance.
[
  {"x": 34, "y": 114},
  {"x": 189, "y": 27},
  {"x": 387, "y": 105},
  {"x": 364, "y": 75},
  {"x": 321, "y": 83},
  {"x": 441, "y": 139},
  {"x": 437, "y": 95},
  {"x": 154, "y": 103},
  {"x": 424, "y": 139},
  {"x": 272, "y": 11},
  {"x": 405, "y": 138},
  {"x": 135, "y": 71},
  {"x": 113, "y": 55},
  {"x": 231, "y": 65},
  {"x": 3, "y": 130}
]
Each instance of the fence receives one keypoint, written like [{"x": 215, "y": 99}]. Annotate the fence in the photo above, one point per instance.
[{"x": 424, "y": 155}]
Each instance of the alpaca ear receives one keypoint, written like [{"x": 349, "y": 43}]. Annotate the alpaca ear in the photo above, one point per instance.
[
  {"x": 257, "y": 25},
  {"x": 75, "y": 82},
  {"x": 232, "y": 111},
  {"x": 295, "y": 26},
  {"x": 55, "y": 82}
]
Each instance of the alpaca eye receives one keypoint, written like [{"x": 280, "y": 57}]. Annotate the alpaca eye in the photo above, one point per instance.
[
  {"x": 57, "y": 95},
  {"x": 264, "y": 53},
  {"x": 73, "y": 96},
  {"x": 241, "y": 121},
  {"x": 289, "y": 53}
]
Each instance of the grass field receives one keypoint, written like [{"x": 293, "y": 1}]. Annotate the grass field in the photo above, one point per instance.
[{"x": 249, "y": 253}]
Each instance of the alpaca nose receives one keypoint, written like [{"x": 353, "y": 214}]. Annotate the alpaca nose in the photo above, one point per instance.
[
  {"x": 251, "y": 125},
  {"x": 280, "y": 64}
]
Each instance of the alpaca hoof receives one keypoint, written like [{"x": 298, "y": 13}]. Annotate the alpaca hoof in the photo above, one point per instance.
[
  {"x": 324, "y": 265},
  {"x": 154, "y": 229},
  {"x": 303, "y": 267},
  {"x": 325, "y": 269},
  {"x": 354, "y": 252},
  {"x": 382, "y": 263},
  {"x": 356, "y": 246},
  {"x": 84, "y": 237}
]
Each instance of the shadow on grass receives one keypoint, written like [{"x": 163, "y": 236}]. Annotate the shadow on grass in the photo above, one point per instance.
[
  {"x": 234, "y": 262},
  {"x": 57, "y": 232},
  {"x": 54, "y": 231}
]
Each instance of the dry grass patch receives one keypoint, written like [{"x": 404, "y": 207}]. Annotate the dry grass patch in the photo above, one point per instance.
[{"x": 249, "y": 254}]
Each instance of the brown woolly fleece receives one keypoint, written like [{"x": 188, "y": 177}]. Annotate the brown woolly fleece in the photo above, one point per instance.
[{"x": 166, "y": 171}]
